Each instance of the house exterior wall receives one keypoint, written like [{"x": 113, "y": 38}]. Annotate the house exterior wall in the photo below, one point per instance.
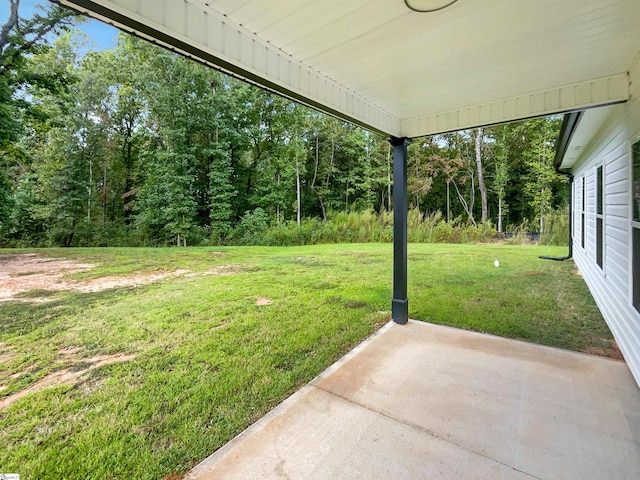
[{"x": 611, "y": 285}]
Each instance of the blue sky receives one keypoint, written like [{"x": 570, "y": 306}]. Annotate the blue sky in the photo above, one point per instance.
[{"x": 101, "y": 36}]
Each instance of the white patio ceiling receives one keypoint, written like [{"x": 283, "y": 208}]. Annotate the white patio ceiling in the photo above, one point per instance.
[{"x": 402, "y": 73}]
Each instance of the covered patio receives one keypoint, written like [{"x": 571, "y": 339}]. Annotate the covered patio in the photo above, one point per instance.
[
  {"x": 427, "y": 401},
  {"x": 404, "y": 69},
  {"x": 424, "y": 401}
]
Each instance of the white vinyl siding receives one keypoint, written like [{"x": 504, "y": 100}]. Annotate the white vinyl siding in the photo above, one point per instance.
[
  {"x": 611, "y": 287},
  {"x": 590, "y": 213},
  {"x": 579, "y": 235}
]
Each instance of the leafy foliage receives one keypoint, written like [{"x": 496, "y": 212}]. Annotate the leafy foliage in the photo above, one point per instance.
[{"x": 137, "y": 145}]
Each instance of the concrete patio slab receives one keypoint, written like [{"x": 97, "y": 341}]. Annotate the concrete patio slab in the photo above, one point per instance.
[{"x": 427, "y": 401}]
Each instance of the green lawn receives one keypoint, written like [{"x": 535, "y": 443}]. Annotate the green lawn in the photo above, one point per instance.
[{"x": 209, "y": 361}]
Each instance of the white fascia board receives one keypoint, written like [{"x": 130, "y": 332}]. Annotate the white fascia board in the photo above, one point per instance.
[
  {"x": 576, "y": 96},
  {"x": 200, "y": 32},
  {"x": 594, "y": 120}
]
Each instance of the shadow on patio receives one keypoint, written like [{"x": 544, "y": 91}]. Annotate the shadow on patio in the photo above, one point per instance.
[{"x": 427, "y": 401}]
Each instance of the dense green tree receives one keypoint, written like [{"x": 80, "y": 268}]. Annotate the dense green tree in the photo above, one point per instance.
[
  {"x": 323, "y": 136},
  {"x": 166, "y": 205},
  {"x": 7, "y": 205},
  {"x": 542, "y": 179},
  {"x": 139, "y": 145},
  {"x": 221, "y": 191},
  {"x": 420, "y": 168},
  {"x": 19, "y": 38}
]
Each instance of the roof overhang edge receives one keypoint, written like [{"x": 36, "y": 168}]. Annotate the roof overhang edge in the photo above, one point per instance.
[{"x": 272, "y": 69}]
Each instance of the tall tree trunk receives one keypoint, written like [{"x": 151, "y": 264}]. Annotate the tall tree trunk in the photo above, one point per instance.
[
  {"x": 104, "y": 195},
  {"x": 89, "y": 189},
  {"x": 299, "y": 206},
  {"x": 313, "y": 183},
  {"x": 346, "y": 198},
  {"x": 278, "y": 201},
  {"x": 327, "y": 180},
  {"x": 448, "y": 202},
  {"x": 346, "y": 190},
  {"x": 468, "y": 206},
  {"x": 500, "y": 215},
  {"x": 127, "y": 160},
  {"x": 481, "y": 185},
  {"x": 541, "y": 222}
]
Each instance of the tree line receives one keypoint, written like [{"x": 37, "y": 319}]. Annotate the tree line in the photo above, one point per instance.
[{"x": 138, "y": 145}]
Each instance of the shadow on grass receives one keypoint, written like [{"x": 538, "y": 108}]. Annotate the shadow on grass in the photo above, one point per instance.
[
  {"x": 302, "y": 261},
  {"x": 21, "y": 318}
]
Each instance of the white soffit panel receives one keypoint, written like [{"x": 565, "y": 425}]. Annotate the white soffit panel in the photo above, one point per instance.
[
  {"x": 403, "y": 73},
  {"x": 194, "y": 29},
  {"x": 587, "y": 94}
]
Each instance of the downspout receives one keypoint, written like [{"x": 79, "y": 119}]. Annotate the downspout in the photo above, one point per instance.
[
  {"x": 570, "y": 254},
  {"x": 569, "y": 125}
]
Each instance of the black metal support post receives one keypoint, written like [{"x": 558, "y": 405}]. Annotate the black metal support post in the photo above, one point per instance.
[{"x": 400, "y": 303}]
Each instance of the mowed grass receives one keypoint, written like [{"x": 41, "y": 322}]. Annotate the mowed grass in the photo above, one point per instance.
[{"x": 209, "y": 361}]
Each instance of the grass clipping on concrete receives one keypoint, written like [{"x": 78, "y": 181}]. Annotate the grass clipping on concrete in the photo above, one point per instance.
[{"x": 144, "y": 380}]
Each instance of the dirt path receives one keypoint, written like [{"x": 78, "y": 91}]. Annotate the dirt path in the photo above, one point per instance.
[
  {"x": 24, "y": 272},
  {"x": 31, "y": 271}
]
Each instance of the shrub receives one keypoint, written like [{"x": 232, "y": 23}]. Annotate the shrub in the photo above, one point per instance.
[
  {"x": 251, "y": 229},
  {"x": 519, "y": 234},
  {"x": 352, "y": 227},
  {"x": 556, "y": 227},
  {"x": 423, "y": 231},
  {"x": 444, "y": 233}
]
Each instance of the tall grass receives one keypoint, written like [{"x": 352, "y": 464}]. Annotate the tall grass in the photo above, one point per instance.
[
  {"x": 555, "y": 228},
  {"x": 360, "y": 227}
]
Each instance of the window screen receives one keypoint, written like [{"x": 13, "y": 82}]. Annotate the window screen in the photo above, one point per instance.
[
  {"x": 599, "y": 216},
  {"x": 582, "y": 214}
]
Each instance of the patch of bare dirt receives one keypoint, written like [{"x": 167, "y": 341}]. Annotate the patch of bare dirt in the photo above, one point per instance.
[
  {"x": 610, "y": 350},
  {"x": 172, "y": 476},
  {"x": 119, "y": 281},
  {"x": 5, "y": 353},
  {"x": 21, "y": 273},
  {"x": 264, "y": 301},
  {"x": 68, "y": 376},
  {"x": 31, "y": 271}
]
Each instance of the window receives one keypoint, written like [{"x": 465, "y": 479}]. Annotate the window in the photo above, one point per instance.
[
  {"x": 582, "y": 213},
  {"x": 635, "y": 225},
  {"x": 599, "y": 216}
]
